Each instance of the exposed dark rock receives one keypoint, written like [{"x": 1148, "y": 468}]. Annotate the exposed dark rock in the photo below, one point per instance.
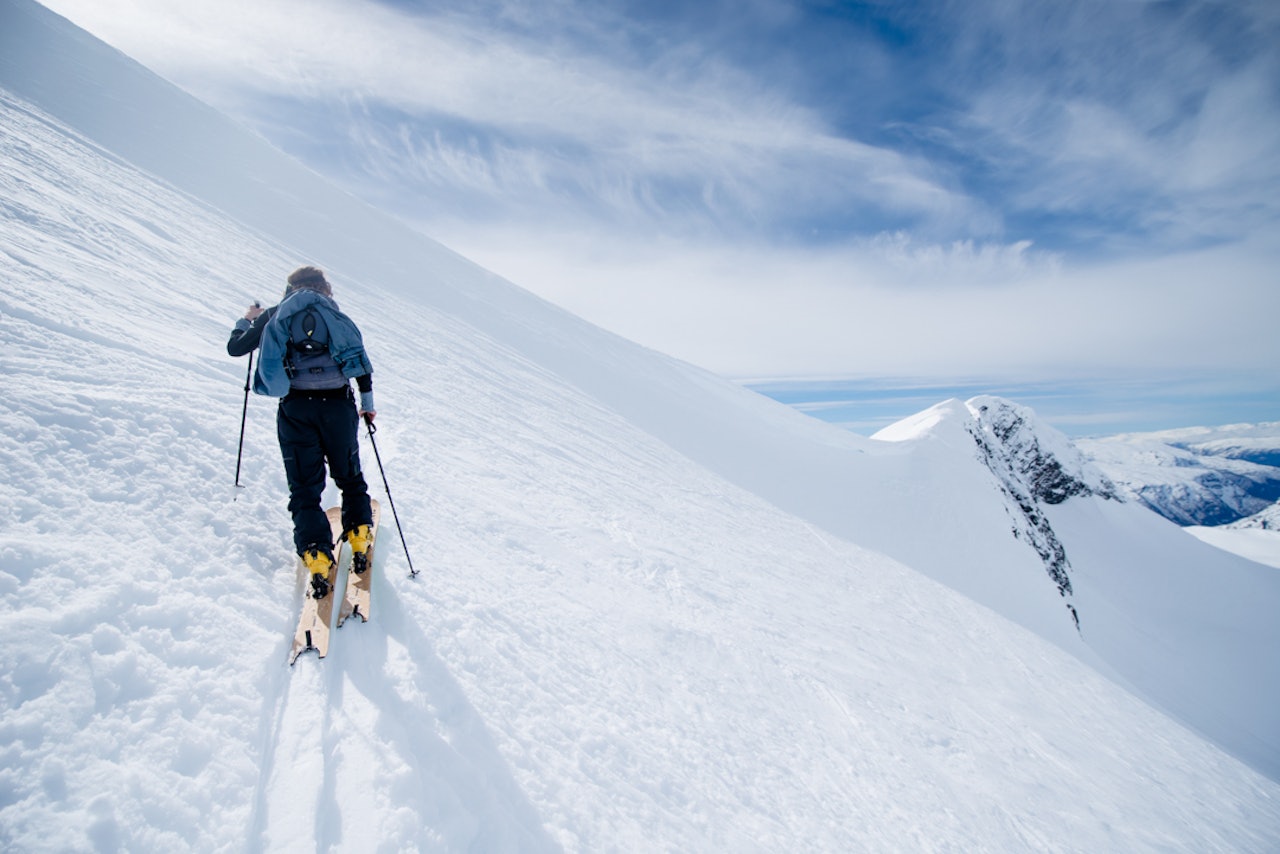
[{"x": 1031, "y": 475}]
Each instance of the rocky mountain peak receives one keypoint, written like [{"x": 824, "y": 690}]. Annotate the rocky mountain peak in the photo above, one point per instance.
[{"x": 1034, "y": 465}]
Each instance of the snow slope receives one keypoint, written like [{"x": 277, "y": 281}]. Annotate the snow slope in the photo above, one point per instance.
[
  {"x": 643, "y": 622},
  {"x": 1255, "y": 543},
  {"x": 1187, "y": 625},
  {"x": 1255, "y": 537}
]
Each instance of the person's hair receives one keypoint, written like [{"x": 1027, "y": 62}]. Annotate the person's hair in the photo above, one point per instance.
[{"x": 311, "y": 278}]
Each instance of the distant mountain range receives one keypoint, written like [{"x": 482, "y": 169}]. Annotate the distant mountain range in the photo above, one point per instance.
[{"x": 1198, "y": 475}]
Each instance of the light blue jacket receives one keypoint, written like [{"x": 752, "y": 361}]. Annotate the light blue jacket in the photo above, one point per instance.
[{"x": 345, "y": 344}]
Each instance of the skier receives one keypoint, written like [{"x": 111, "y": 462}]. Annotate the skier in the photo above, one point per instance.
[{"x": 310, "y": 352}]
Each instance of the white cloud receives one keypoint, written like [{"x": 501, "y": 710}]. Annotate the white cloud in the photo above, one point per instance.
[
  {"x": 1145, "y": 123},
  {"x": 562, "y": 123},
  {"x": 877, "y": 309},
  {"x": 1236, "y": 135}
]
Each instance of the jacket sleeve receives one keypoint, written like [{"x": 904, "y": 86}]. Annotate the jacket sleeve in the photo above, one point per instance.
[
  {"x": 246, "y": 336},
  {"x": 271, "y": 378}
]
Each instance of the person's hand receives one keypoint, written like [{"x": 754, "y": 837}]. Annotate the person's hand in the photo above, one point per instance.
[
  {"x": 252, "y": 312},
  {"x": 369, "y": 416}
]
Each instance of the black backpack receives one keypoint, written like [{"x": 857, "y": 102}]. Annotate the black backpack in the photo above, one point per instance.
[{"x": 307, "y": 359}]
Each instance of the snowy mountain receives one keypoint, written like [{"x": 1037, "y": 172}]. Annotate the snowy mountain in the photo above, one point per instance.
[
  {"x": 656, "y": 611},
  {"x": 1195, "y": 476},
  {"x": 1030, "y": 464},
  {"x": 1267, "y": 519},
  {"x": 1035, "y": 467}
]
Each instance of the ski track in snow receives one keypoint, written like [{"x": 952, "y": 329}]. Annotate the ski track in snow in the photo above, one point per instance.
[{"x": 609, "y": 647}]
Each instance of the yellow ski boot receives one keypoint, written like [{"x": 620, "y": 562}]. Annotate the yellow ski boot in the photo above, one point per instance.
[
  {"x": 361, "y": 539},
  {"x": 318, "y": 563}
]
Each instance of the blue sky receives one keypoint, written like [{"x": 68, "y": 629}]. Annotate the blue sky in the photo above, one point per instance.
[{"x": 964, "y": 196}]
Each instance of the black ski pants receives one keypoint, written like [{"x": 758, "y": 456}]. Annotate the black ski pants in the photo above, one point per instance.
[{"x": 315, "y": 429}]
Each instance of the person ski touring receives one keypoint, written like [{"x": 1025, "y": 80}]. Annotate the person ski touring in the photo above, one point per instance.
[{"x": 310, "y": 351}]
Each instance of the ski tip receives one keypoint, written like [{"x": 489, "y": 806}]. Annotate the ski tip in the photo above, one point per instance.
[
  {"x": 299, "y": 653},
  {"x": 304, "y": 644}
]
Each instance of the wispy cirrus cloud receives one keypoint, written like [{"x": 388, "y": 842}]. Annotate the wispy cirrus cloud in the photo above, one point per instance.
[
  {"x": 572, "y": 121},
  {"x": 1124, "y": 126},
  {"x": 1078, "y": 126}
]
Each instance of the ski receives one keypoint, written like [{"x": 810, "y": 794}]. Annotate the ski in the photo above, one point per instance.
[
  {"x": 355, "y": 599},
  {"x": 317, "y": 614}
]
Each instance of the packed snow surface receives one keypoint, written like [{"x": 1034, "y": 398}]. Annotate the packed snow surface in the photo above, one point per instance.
[{"x": 655, "y": 612}]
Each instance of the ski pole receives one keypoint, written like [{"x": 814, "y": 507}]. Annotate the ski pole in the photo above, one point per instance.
[
  {"x": 413, "y": 573},
  {"x": 248, "y": 378}
]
